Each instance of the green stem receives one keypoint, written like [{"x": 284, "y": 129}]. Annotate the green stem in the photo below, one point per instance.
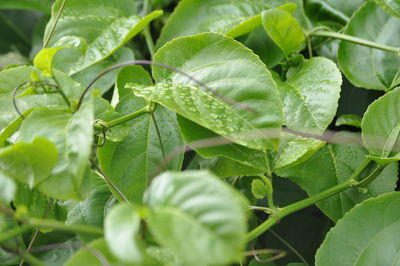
[
  {"x": 52, "y": 224},
  {"x": 126, "y": 118},
  {"x": 53, "y": 28},
  {"x": 356, "y": 40},
  {"x": 282, "y": 212},
  {"x": 149, "y": 41}
]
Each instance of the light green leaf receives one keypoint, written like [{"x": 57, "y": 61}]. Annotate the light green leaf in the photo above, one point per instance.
[
  {"x": 390, "y": 6},
  {"x": 95, "y": 254},
  {"x": 381, "y": 125},
  {"x": 367, "y": 235},
  {"x": 284, "y": 30},
  {"x": 348, "y": 120},
  {"x": 29, "y": 163},
  {"x": 39, "y": 5},
  {"x": 72, "y": 134},
  {"x": 294, "y": 150},
  {"x": 122, "y": 227},
  {"x": 131, "y": 163},
  {"x": 96, "y": 28},
  {"x": 332, "y": 165},
  {"x": 197, "y": 16},
  {"x": 198, "y": 217},
  {"x": 7, "y": 189},
  {"x": 366, "y": 67},
  {"x": 211, "y": 58},
  {"x": 259, "y": 188},
  {"x": 310, "y": 97}
]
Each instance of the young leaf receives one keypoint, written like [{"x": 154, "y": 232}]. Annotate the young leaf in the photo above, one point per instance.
[
  {"x": 368, "y": 234},
  {"x": 197, "y": 16},
  {"x": 102, "y": 29},
  {"x": 259, "y": 188},
  {"x": 29, "y": 163},
  {"x": 310, "y": 97},
  {"x": 381, "y": 126},
  {"x": 197, "y": 217},
  {"x": 332, "y": 165},
  {"x": 284, "y": 30},
  {"x": 366, "y": 67},
  {"x": 390, "y": 6},
  {"x": 122, "y": 227},
  {"x": 233, "y": 72},
  {"x": 72, "y": 134}
]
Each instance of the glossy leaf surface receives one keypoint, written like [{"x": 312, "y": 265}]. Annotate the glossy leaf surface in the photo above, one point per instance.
[
  {"x": 366, "y": 235},
  {"x": 197, "y": 16},
  {"x": 94, "y": 29},
  {"x": 210, "y": 57},
  {"x": 310, "y": 97},
  {"x": 198, "y": 217},
  {"x": 366, "y": 67}
]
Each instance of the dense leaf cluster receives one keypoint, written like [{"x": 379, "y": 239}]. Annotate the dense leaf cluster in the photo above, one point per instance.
[{"x": 137, "y": 132}]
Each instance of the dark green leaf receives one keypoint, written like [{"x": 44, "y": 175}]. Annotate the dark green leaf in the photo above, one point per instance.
[
  {"x": 39, "y": 5},
  {"x": 366, "y": 67},
  {"x": 332, "y": 165},
  {"x": 199, "y": 218},
  {"x": 366, "y": 235}
]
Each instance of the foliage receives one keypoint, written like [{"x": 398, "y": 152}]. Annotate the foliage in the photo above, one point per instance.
[{"x": 137, "y": 132}]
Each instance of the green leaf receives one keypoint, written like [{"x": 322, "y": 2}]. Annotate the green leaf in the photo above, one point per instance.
[
  {"x": 103, "y": 28},
  {"x": 210, "y": 58},
  {"x": 332, "y": 165},
  {"x": 225, "y": 167},
  {"x": 381, "y": 126},
  {"x": 95, "y": 254},
  {"x": 196, "y": 216},
  {"x": 7, "y": 189},
  {"x": 348, "y": 120},
  {"x": 284, "y": 30},
  {"x": 364, "y": 234},
  {"x": 72, "y": 134},
  {"x": 92, "y": 209},
  {"x": 131, "y": 163},
  {"x": 294, "y": 150},
  {"x": 122, "y": 227},
  {"x": 39, "y": 5},
  {"x": 196, "y": 16},
  {"x": 366, "y": 67},
  {"x": 57, "y": 257},
  {"x": 310, "y": 97},
  {"x": 390, "y": 6},
  {"x": 29, "y": 163}
]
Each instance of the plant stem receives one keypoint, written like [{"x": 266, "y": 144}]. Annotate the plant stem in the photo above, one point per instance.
[
  {"x": 46, "y": 42},
  {"x": 126, "y": 118},
  {"x": 282, "y": 212},
  {"x": 149, "y": 41},
  {"x": 14, "y": 232},
  {"x": 356, "y": 40},
  {"x": 56, "y": 225}
]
